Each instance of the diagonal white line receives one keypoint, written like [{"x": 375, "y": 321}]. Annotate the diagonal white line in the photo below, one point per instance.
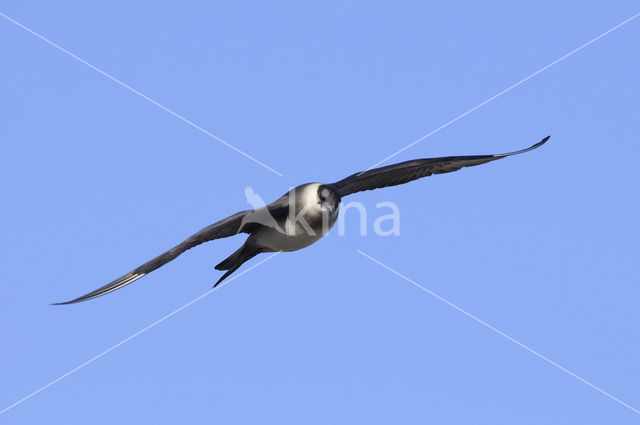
[
  {"x": 91, "y": 360},
  {"x": 515, "y": 341},
  {"x": 502, "y": 92},
  {"x": 175, "y": 114}
]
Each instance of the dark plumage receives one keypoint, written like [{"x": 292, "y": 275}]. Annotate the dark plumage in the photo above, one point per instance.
[{"x": 272, "y": 227}]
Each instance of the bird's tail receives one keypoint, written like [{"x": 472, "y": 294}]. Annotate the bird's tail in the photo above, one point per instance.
[{"x": 235, "y": 260}]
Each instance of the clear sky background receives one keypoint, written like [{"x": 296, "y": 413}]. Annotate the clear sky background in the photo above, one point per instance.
[{"x": 96, "y": 180}]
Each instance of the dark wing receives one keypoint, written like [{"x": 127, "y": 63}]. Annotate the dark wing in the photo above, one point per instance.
[
  {"x": 229, "y": 226},
  {"x": 404, "y": 172}
]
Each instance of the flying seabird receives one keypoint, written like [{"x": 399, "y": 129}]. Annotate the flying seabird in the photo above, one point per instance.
[{"x": 300, "y": 217}]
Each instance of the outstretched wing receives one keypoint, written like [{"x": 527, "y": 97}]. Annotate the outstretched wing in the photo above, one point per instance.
[
  {"x": 222, "y": 229},
  {"x": 404, "y": 172},
  {"x": 229, "y": 226}
]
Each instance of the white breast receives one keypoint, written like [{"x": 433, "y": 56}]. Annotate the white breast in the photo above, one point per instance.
[
  {"x": 279, "y": 241},
  {"x": 298, "y": 231}
]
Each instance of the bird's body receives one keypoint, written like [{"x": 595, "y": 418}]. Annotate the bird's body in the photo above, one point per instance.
[
  {"x": 294, "y": 221},
  {"x": 306, "y": 220},
  {"x": 300, "y": 217},
  {"x": 294, "y": 239}
]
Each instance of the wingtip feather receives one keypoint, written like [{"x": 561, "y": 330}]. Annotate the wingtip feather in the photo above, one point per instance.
[
  {"x": 110, "y": 287},
  {"x": 536, "y": 146}
]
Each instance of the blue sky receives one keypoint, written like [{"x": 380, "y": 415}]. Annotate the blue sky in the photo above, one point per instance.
[{"x": 97, "y": 180}]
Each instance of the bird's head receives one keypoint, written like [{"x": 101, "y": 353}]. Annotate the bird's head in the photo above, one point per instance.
[{"x": 328, "y": 199}]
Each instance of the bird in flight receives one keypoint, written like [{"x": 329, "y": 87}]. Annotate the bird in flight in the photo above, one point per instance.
[{"x": 298, "y": 218}]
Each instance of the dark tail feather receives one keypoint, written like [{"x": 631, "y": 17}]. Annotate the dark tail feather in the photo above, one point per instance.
[
  {"x": 235, "y": 260},
  {"x": 228, "y": 262},
  {"x": 224, "y": 276}
]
